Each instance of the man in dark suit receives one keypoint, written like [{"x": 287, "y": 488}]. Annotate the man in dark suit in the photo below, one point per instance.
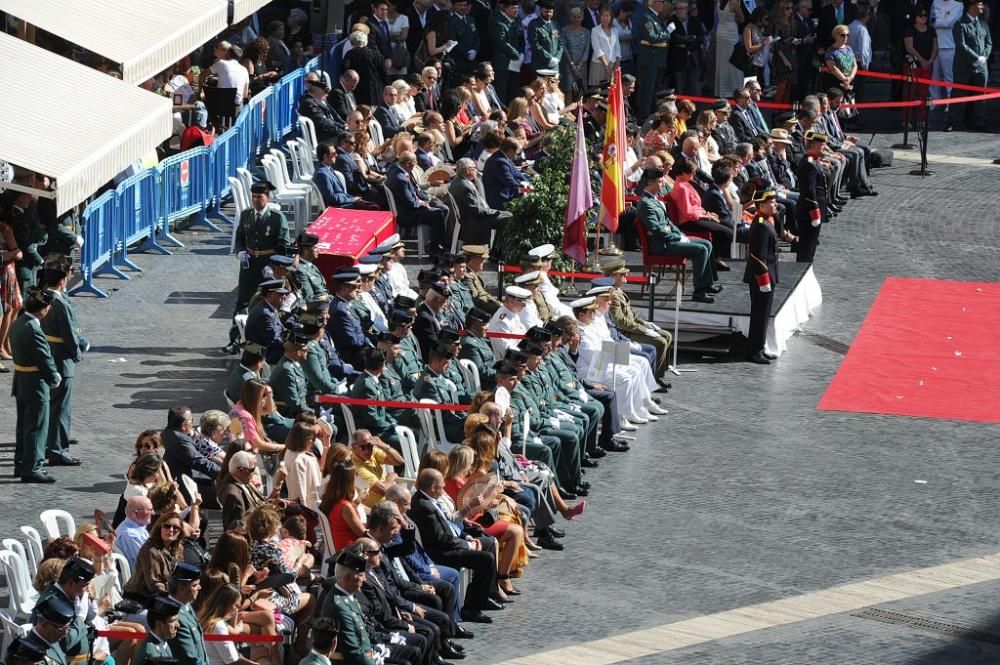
[
  {"x": 803, "y": 39},
  {"x": 379, "y": 24},
  {"x": 591, "y": 14},
  {"x": 331, "y": 187},
  {"x": 180, "y": 453},
  {"x": 354, "y": 179},
  {"x": 446, "y": 543},
  {"x": 742, "y": 120},
  {"x": 684, "y": 53},
  {"x": 419, "y": 13},
  {"x": 313, "y": 106},
  {"x": 386, "y": 115},
  {"x": 502, "y": 180},
  {"x": 478, "y": 219},
  {"x": 836, "y": 13},
  {"x": 341, "y": 98},
  {"x": 413, "y": 206},
  {"x": 238, "y": 496}
]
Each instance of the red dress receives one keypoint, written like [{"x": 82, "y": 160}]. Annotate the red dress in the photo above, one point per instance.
[{"x": 343, "y": 536}]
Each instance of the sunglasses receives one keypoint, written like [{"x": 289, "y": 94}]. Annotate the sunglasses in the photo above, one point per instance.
[
  {"x": 172, "y": 527},
  {"x": 372, "y": 552}
]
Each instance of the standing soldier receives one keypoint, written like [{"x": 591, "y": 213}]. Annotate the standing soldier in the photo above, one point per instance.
[
  {"x": 35, "y": 375},
  {"x": 761, "y": 273},
  {"x": 475, "y": 257},
  {"x": 507, "y": 36},
  {"x": 463, "y": 31},
  {"x": 67, "y": 346},
  {"x": 654, "y": 41},
  {"x": 30, "y": 236},
  {"x": 260, "y": 232},
  {"x": 543, "y": 35},
  {"x": 811, "y": 206}
]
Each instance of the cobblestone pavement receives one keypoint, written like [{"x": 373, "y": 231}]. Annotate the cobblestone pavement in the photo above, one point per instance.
[{"x": 745, "y": 493}]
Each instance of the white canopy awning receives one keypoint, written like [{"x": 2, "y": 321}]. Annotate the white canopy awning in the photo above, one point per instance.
[
  {"x": 244, "y": 8},
  {"x": 80, "y": 127},
  {"x": 143, "y": 38}
]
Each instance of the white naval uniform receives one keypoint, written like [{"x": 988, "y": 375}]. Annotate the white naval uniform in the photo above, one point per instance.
[
  {"x": 630, "y": 386},
  {"x": 504, "y": 321},
  {"x": 557, "y": 308},
  {"x": 399, "y": 281}
]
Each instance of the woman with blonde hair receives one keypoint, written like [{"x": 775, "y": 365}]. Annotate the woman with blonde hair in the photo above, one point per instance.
[
  {"x": 706, "y": 123},
  {"x": 256, "y": 401},
  {"x": 460, "y": 460},
  {"x": 231, "y": 563},
  {"x": 539, "y": 115}
]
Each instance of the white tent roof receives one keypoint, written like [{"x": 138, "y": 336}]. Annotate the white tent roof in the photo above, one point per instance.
[
  {"x": 144, "y": 38},
  {"x": 243, "y": 8},
  {"x": 78, "y": 126}
]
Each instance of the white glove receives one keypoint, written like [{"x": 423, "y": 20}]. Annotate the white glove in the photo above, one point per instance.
[
  {"x": 243, "y": 256},
  {"x": 634, "y": 347},
  {"x": 553, "y": 62},
  {"x": 554, "y": 422},
  {"x": 78, "y": 242},
  {"x": 766, "y": 288},
  {"x": 584, "y": 397},
  {"x": 268, "y": 273},
  {"x": 652, "y": 332},
  {"x": 472, "y": 54},
  {"x": 537, "y": 440},
  {"x": 815, "y": 222},
  {"x": 86, "y": 347},
  {"x": 56, "y": 381},
  {"x": 685, "y": 239},
  {"x": 980, "y": 61}
]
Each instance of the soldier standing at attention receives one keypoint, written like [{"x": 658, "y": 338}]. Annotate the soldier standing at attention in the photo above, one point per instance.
[
  {"x": 761, "y": 273},
  {"x": 67, "y": 346},
  {"x": 35, "y": 376},
  {"x": 811, "y": 206},
  {"x": 543, "y": 35},
  {"x": 463, "y": 31},
  {"x": 654, "y": 41},
  {"x": 353, "y": 644},
  {"x": 163, "y": 623},
  {"x": 508, "y": 41},
  {"x": 475, "y": 259},
  {"x": 260, "y": 232}
]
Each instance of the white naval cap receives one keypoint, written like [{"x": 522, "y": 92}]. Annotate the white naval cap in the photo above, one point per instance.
[
  {"x": 599, "y": 290},
  {"x": 530, "y": 278},
  {"x": 366, "y": 268},
  {"x": 543, "y": 251},
  {"x": 589, "y": 302},
  {"x": 517, "y": 292}
]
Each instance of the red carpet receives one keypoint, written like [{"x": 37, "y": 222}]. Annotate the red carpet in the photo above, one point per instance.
[{"x": 927, "y": 348}]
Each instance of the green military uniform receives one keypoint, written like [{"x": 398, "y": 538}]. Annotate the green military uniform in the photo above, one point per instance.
[
  {"x": 364, "y": 316},
  {"x": 563, "y": 454},
  {"x": 353, "y": 644},
  {"x": 290, "y": 386},
  {"x": 277, "y": 426},
  {"x": 654, "y": 41},
  {"x": 461, "y": 299},
  {"x": 463, "y": 31},
  {"x": 442, "y": 390},
  {"x": 189, "y": 643},
  {"x": 311, "y": 280},
  {"x": 67, "y": 345},
  {"x": 408, "y": 364},
  {"x": 541, "y": 305},
  {"x": 546, "y": 49},
  {"x": 237, "y": 377},
  {"x": 75, "y": 642},
  {"x": 392, "y": 389},
  {"x": 462, "y": 387},
  {"x": 259, "y": 234},
  {"x": 566, "y": 391},
  {"x": 30, "y": 236},
  {"x": 61, "y": 232},
  {"x": 318, "y": 372},
  {"x": 507, "y": 38},
  {"x": 480, "y": 296},
  {"x": 637, "y": 330},
  {"x": 152, "y": 647},
  {"x": 375, "y": 419},
  {"x": 54, "y": 655},
  {"x": 539, "y": 382},
  {"x": 480, "y": 352},
  {"x": 34, "y": 373}
]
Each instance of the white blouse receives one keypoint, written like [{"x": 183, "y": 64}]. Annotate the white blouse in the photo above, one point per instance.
[{"x": 606, "y": 44}]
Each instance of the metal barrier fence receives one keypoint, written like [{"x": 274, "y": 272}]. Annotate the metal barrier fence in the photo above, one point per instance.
[{"x": 192, "y": 183}]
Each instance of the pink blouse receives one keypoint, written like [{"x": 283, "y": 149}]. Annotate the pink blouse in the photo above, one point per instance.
[{"x": 688, "y": 203}]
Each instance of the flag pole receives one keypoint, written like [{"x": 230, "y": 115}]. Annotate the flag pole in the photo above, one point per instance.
[{"x": 595, "y": 263}]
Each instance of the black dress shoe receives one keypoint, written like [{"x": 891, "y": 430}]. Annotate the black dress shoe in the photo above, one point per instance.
[
  {"x": 73, "y": 442},
  {"x": 447, "y": 652},
  {"x": 584, "y": 484},
  {"x": 555, "y": 533},
  {"x": 589, "y": 463},
  {"x": 759, "y": 358},
  {"x": 493, "y": 605},
  {"x": 715, "y": 288},
  {"x": 63, "y": 459},
  {"x": 463, "y": 634},
  {"x": 37, "y": 477},
  {"x": 702, "y": 296},
  {"x": 616, "y": 446},
  {"x": 949, "y": 127},
  {"x": 476, "y": 616},
  {"x": 566, "y": 494},
  {"x": 598, "y": 452},
  {"x": 581, "y": 491},
  {"x": 456, "y": 646},
  {"x": 770, "y": 356},
  {"x": 548, "y": 542}
]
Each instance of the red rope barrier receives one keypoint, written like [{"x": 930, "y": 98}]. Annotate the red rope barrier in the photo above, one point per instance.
[
  {"x": 962, "y": 100},
  {"x": 503, "y": 335},
  {"x": 920, "y": 79},
  {"x": 336, "y": 399},
  {"x": 249, "y": 639}
]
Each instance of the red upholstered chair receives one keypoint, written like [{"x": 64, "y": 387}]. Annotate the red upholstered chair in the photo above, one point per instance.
[{"x": 650, "y": 261}]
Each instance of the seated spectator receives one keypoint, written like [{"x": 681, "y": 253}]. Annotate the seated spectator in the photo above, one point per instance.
[
  {"x": 302, "y": 468},
  {"x": 414, "y": 207},
  {"x": 502, "y": 180},
  {"x": 357, "y": 184},
  {"x": 387, "y": 114},
  {"x": 133, "y": 533},
  {"x": 157, "y": 557},
  {"x": 332, "y": 188},
  {"x": 263, "y": 524},
  {"x": 339, "y": 504},
  {"x": 665, "y": 239},
  {"x": 180, "y": 451},
  {"x": 220, "y": 615},
  {"x": 238, "y": 496},
  {"x": 477, "y": 218},
  {"x": 490, "y": 143},
  {"x": 313, "y": 105},
  {"x": 692, "y": 216},
  {"x": 257, "y": 402},
  {"x": 456, "y": 131},
  {"x": 341, "y": 98},
  {"x": 518, "y": 117},
  {"x": 212, "y": 436},
  {"x": 426, "y": 158},
  {"x": 296, "y": 547},
  {"x": 370, "y": 455},
  {"x": 230, "y": 563},
  {"x": 365, "y": 160},
  {"x": 405, "y": 107}
]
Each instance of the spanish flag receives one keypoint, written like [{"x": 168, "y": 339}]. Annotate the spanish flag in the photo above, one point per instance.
[{"x": 613, "y": 184}]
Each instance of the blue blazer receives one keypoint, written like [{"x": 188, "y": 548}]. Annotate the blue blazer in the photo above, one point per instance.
[
  {"x": 330, "y": 188},
  {"x": 403, "y": 189},
  {"x": 501, "y": 180},
  {"x": 356, "y": 183}
]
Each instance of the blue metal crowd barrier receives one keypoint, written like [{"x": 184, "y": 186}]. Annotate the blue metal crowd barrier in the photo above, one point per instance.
[{"x": 192, "y": 183}]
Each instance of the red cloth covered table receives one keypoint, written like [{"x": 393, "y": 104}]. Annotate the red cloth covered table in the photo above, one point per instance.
[{"x": 347, "y": 235}]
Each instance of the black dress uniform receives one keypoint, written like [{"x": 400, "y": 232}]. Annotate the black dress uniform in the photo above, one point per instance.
[
  {"x": 810, "y": 211},
  {"x": 264, "y": 324},
  {"x": 260, "y": 234},
  {"x": 761, "y": 275}
]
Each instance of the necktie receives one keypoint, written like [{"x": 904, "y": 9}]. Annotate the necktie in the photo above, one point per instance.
[
  {"x": 385, "y": 29},
  {"x": 258, "y": 217},
  {"x": 840, "y": 14}
]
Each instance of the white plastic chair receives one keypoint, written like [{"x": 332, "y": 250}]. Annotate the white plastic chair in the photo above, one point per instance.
[
  {"x": 279, "y": 157},
  {"x": 122, "y": 567},
  {"x": 426, "y": 421},
  {"x": 411, "y": 457},
  {"x": 302, "y": 163},
  {"x": 471, "y": 374},
  {"x": 21, "y": 596},
  {"x": 33, "y": 540},
  {"x": 247, "y": 179},
  {"x": 296, "y": 196},
  {"x": 241, "y": 202},
  {"x": 308, "y": 133},
  {"x": 345, "y": 409},
  {"x": 11, "y": 629},
  {"x": 441, "y": 440},
  {"x": 324, "y": 526},
  {"x": 58, "y": 523}
]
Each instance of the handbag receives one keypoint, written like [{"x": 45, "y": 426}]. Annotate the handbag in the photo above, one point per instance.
[
  {"x": 848, "y": 113},
  {"x": 739, "y": 58}
]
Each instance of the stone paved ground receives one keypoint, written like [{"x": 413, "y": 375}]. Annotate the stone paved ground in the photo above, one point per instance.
[{"x": 744, "y": 494}]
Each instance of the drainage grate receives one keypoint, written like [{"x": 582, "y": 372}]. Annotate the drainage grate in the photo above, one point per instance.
[
  {"x": 828, "y": 343},
  {"x": 929, "y": 625}
]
